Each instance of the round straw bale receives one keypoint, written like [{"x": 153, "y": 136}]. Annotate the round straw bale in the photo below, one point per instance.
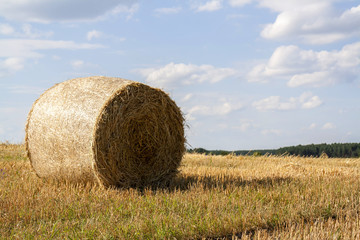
[{"x": 108, "y": 130}]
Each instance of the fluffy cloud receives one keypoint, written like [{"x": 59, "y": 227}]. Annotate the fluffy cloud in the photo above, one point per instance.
[
  {"x": 29, "y": 48},
  {"x": 306, "y": 101},
  {"x": 6, "y": 29},
  {"x": 271, "y": 132},
  {"x": 126, "y": 9},
  {"x": 308, "y": 67},
  {"x": 325, "y": 126},
  {"x": 244, "y": 125},
  {"x": 220, "y": 108},
  {"x": 274, "y": 103},
  {"x": 27, "y": 31},
  {"x": 172, "y": 75},
  {"x": 314, "y": 22},
  {"x": 187, "y": 97},
  {"x": 287, "y": 5},
  {"x": 14, "y": 52},
  {"x": 82, "y": 65},
  {"x": 11, "y": 65},
  {"x": 61, "y": 10},
  {"x": 208, "y": 6},
  {"x": 76, "y": 64},
  {"x": 172, "y": 10},
  {"x": 196, "y": 105},
  {"x": 239, "y": 3},
  {"x": 328, "y": 126},
  {"x": 93, "y": 34}
]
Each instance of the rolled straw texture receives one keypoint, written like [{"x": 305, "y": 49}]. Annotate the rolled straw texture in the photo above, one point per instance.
[{"x": 109, "y": 130}]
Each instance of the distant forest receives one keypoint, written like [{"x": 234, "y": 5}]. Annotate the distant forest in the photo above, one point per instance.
[{"x": 334, "y": 150}]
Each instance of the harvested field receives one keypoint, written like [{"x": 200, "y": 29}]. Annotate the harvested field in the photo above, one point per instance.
[{"x": 212, "y": 197}]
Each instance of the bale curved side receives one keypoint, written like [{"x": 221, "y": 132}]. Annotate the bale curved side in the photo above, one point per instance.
[
  {"x": 60, "y": 126},
  {"x": 111, "y": 130}
]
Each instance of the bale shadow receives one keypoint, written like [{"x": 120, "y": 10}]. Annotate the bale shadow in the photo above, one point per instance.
[
  {"x": 184, "y": 183},
  {"x": 188, "y": 182}
]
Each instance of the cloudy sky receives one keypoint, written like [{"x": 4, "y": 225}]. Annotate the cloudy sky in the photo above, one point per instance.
[{"x": 248, "y": 74}]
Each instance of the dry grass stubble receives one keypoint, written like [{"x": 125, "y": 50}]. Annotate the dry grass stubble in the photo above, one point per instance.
[{"x": 226, "y": 197}]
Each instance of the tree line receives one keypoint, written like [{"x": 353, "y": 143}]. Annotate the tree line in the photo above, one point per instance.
[{"x": 334, "y": 150}]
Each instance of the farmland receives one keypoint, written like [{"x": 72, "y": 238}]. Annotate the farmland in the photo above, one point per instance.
[{"x": 213, "y": 197}]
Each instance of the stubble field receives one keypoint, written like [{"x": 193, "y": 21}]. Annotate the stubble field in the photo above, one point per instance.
[{"x": 213, "y": 197}]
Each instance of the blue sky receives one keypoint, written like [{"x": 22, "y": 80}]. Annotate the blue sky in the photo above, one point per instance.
[{"x": 248, "y": 74}]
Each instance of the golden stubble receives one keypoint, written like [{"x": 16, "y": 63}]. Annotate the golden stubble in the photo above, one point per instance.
[{"x": 225, "y": 197}]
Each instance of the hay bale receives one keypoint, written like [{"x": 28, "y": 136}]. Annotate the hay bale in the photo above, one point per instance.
[{"x": 108, "y": 130}]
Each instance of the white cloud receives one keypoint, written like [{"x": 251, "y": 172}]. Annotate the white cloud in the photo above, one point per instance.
[
  {"x": 316, "y": 79},
  {"x": 14, "y": 52},
  {"x": 313, "y": 102},
  {"x": 82, "y": 65},
  {"x": 328, "y": 126},
  {"x": 312, "y": 126},
  {"x": 6, "y": 29},
  {"x": 235, "y": 16},
  {"x": 274, "y": 103},
  {"x": 172, "y": 75},
  {"x": 93, "y": 34},
  {"x": 129, "y": 10},
  {"x": 239, "y": 3},
  {"x": 245, "y": 124},
  {"x": 187, "y": 97},
  {"x": 286, "y": 60},
  {"x": 11, "y": 65},
  {"x": 196, "y": 105},
  {"x": 271, "y": 132},
  {"x": 27, "y": 31},
  {"x": 223, "y": 108},
  {"x": 208, "y": 6},
  {"x": 62, "y": 10},
  {"x": 308, "y": 67},
  {"x": 30, "y": 48},
  {"x": 172, "y": 10},
  {"x": 306, "y": 101},
  {"x": 76, "y": 64},
  {"x": 314, "y": 22}
]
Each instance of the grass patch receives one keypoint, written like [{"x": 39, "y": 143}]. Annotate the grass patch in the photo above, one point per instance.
[{"x": 213, "y": 197}]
